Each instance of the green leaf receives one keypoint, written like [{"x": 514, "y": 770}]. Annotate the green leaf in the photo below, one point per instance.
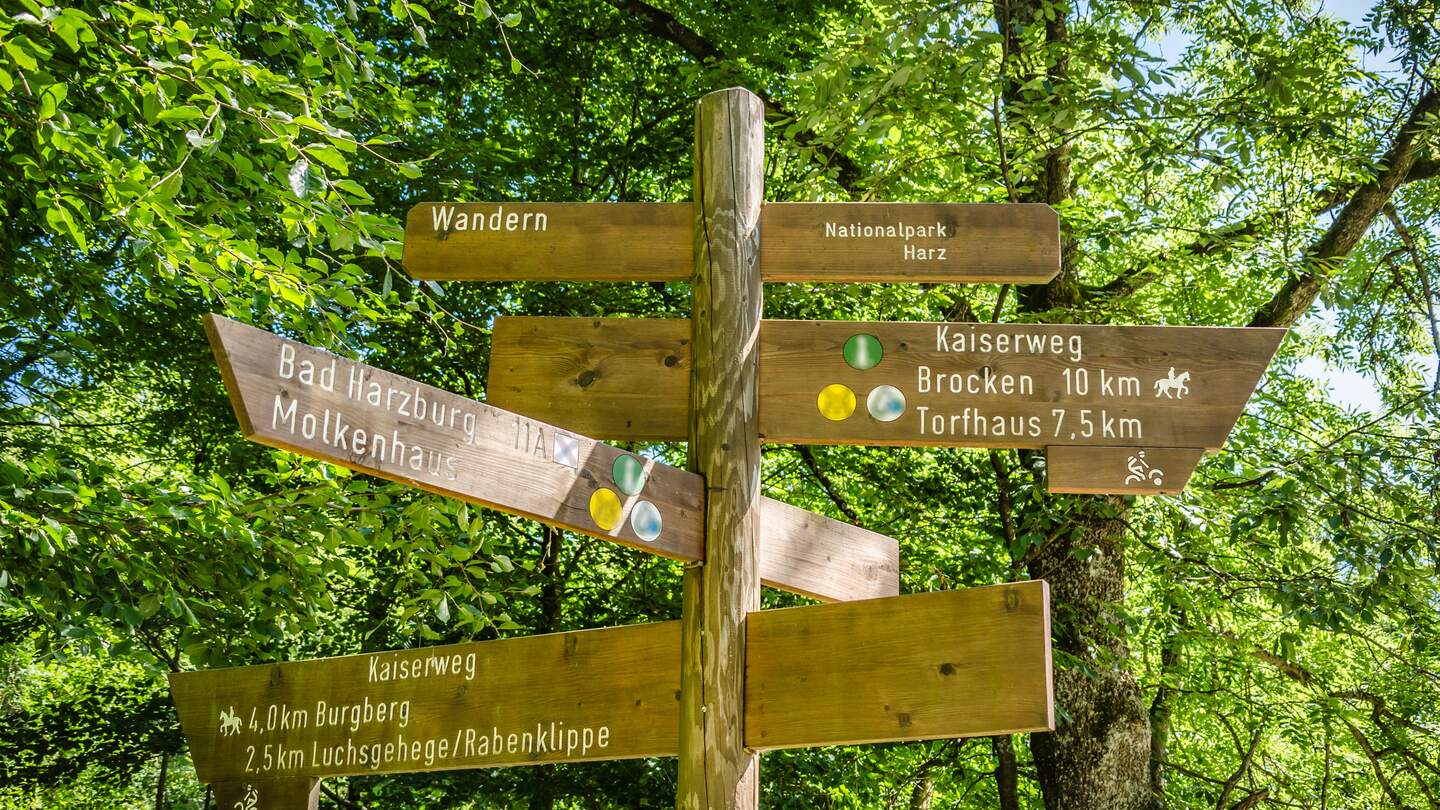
[
  {"x": 51, "y": 96},
  {"x": 299, "y": 178},
  {"x": 21, "y": 56},
  {"x": 328, "y": 155},
  {"x": 170, "y": 186},
  {"x": 182, "y": 113}
]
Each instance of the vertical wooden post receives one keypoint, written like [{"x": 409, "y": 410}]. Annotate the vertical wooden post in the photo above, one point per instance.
[{"x": 716, "y": 770}]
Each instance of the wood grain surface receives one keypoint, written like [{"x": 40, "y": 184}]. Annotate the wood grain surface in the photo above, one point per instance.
[
  {"x": 921, "y": 666},
  {"x": 564, "y": 697},
  {"x": 716, "y": 770},
  {"x": 387, "y": 425},
  {"x": 623, "y": 379},
  {"x": 1130, "y": 399},
  {"x": 822, "y": 558},
  {"x": 944, "y": 243},
  {"x": 579, "y": 241},
  {"x": 1120, "y": 470}
]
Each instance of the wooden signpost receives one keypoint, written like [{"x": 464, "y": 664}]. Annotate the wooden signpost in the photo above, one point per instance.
[{"x": 1117, "y": 409}]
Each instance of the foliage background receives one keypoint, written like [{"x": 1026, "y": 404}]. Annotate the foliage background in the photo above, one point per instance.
[{"x": 163, "y": 160}]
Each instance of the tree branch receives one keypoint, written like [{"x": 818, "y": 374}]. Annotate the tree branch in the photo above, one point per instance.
[
  {"x": 664, "y": 25},
  {"x": 1140, "y": 275},
  {"x": 1294, "y": 299},
  {"x": 808, "y": 456}
]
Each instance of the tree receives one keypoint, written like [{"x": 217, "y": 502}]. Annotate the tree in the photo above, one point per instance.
[{"x": 1267, "y": 639}]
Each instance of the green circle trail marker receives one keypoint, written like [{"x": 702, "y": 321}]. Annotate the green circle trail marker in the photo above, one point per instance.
[
  {"x": 629, "y": 473},
  {"x": 863, "y": 352}
]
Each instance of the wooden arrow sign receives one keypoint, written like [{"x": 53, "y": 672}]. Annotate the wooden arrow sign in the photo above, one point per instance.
[
  {"x": 300, "y": 398},
  {"x": 1102, "y": 392},
  {"x": 565, "y": 697},
  {"x": 932, "y": 665},
  {"x": 825, "y": 242}
]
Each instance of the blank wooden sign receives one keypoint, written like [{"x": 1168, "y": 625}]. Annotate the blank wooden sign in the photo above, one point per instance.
[
  {"x": 625, "y": 379},
  {"x": 822, "y": 558},
  {"x": 921, "y": 666},
  {"x": 565, "y": 697},
  {"x": 822, "y": 242}
]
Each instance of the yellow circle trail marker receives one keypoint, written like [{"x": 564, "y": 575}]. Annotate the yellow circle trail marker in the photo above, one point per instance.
[
  {"x": 836, "y": 402},
  {"x": 605, "y": 508}
]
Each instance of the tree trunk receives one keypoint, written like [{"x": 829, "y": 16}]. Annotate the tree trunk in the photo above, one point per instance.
[
  {"x": 923, "y": 793},
  {"x": 1007, "y": 774},
  {"x": 160, "y": 783},
  {"x": 1099, "y": 758},
  {"x": 552, "y": 598},
  {"x": 1160, "y": 710}
]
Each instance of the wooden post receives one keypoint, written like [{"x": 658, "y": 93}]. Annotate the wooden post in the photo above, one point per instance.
[{"x": 716, "y": 769}]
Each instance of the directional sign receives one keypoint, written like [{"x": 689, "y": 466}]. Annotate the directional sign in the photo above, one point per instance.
[
  {"x": 909, "y": 242},
  {"x": 300, "y": 398},
  {"x": 825, "y": 242},
  {"x": 565, "y": 697},
  {"x": 946, "y": 664},
  {"x": 1120, "y": 470},
  {"x": 549, "y": 241},
  {"x": 1007, "y": 385},
  {"x": 1174, "y": 390}
]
